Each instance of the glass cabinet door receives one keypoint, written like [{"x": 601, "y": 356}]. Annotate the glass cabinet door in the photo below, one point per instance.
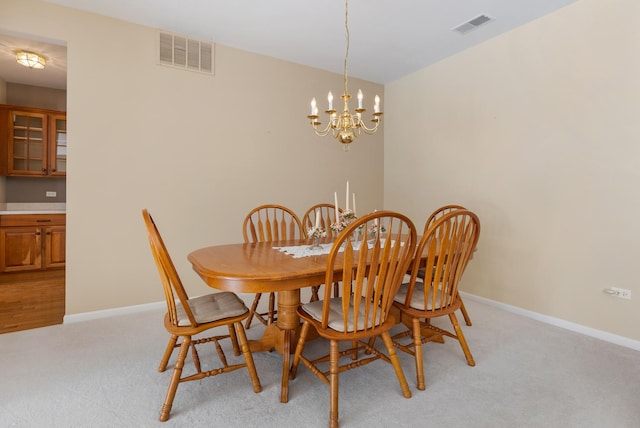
[
  {"x": 27, "y": 148},
  {"x": 58, "y": 149}
]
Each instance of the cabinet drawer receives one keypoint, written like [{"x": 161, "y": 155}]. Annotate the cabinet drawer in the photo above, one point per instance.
[{"x": 20, "y": 220}]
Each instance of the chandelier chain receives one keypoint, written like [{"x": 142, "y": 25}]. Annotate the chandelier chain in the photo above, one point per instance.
[{"x": 346, "y": 43}]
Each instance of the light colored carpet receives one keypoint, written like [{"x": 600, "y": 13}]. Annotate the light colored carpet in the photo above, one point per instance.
[{"x": 102, "y": 373}]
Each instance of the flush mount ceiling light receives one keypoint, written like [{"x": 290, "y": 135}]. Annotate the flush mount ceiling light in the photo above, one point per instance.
[{"x": 30, "y": 59}]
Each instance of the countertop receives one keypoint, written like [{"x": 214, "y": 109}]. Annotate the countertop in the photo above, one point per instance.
[
  {"x": 10, "y": 208},
  {"x": 11, "y": 212}
]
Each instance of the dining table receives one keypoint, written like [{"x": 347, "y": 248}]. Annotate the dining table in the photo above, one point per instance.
[{"x": 262, "y": 267}]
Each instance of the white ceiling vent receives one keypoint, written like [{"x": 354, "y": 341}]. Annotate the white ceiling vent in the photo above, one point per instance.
[
  {"x": 472, "y": 24},
  {"x": 182, "y": 52}
]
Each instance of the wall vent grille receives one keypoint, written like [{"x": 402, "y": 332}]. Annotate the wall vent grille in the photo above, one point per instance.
[
  {"x": 178, "y": 51},
  {"x": 472, "y": 24}
]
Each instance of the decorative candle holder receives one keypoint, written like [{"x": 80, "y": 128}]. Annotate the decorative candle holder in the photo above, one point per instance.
[{"x": 345, "y": 218}]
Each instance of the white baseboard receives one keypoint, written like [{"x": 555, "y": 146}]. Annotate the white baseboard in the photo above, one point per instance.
[
  {"x": 587, "y": 331},
  {"x": 106, "y": 313}
]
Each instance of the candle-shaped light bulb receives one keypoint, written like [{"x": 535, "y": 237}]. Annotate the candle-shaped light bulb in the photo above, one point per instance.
[
  {"x": 314, "y": 109},
  {"x": 347, "y": 197},
  {"x": 359, "y": 98},
  {"x": 376, "y": 105},
  {"x": 330, "y": 99}
]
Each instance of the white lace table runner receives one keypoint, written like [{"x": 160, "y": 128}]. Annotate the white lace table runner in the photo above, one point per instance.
[{"x": 298, "y": 251}]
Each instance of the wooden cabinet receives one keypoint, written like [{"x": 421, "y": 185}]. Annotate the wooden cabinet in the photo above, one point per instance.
[
  {"x": 32, "y": 242},
  {"x": 33, "y": 142}
]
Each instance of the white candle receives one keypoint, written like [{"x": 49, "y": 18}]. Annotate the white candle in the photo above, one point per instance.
[
  {"x": 359, "y": 98},
  {"x": 317, "y": 220},
  {"x": 330, "y": 99},
  {"x": 335, "y": 195},
  {"x": 354, "y": 203},
  {"x": 313, "y": 106},
  {"x": 347, "y": 197}
]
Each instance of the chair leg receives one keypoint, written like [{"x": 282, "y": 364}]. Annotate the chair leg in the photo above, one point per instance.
[
  {"x": 286, "y": 361},
  {"x": 234, "y": 341},
  {"x": 167, "y": 353},
  {"x": 299, "y": 348},
  {"x": 334, "y": 355},
  {"x": 417, "y": 352},
  {"x": 252, "y": 311},
  {"x": 248, "y": 357},
  {"x": 272, "y": 308},
  {"x": 465, "y": 315},
  {"x": 461, "y": 339},
  {"x": 395, "y": 362},
  {"x": 175, "y": 379},
  {"x": 314, "y": 293}
]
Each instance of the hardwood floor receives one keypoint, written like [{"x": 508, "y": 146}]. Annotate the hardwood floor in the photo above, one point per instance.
[{"x": 31, "y": 299}]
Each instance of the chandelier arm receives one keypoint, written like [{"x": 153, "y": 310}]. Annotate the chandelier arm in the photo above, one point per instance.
[
  {"x": 369, "y": 131},
  {"x": 322, "y": 132}
]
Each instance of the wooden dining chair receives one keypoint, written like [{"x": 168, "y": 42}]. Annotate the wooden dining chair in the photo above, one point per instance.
[
  {"x": 432, "y": 218},
  {"x": 187, "y": 317},
  {"x": 372, "y": 271},
  {"x": 270, "y": 222},
  {"x": 447, "y": 246},
  {"x": 327, "y": 215}
]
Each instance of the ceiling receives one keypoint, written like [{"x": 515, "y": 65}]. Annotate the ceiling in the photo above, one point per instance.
[{"x": 389, "y": 39}]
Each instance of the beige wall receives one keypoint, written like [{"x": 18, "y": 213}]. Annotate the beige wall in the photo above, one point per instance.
[
  {"x": 198, "y": 151},
  {"x": 537, "y": 131}
]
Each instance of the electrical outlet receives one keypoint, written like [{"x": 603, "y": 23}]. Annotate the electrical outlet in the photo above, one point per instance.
[
  {"x": 621, "y": 293},
  {"x": 51, "y": 194}
]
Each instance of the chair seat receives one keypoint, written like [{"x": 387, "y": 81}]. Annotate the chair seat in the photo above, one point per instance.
[
  {"x": 336, "y": 320},
  {"x": 212, "y": 307},
  {"x": 417, "y": 299}
]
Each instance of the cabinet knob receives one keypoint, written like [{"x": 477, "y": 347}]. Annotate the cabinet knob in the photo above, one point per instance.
[
  {"x": 37, "y": 233},
  {"x": 44, "y": 169}
]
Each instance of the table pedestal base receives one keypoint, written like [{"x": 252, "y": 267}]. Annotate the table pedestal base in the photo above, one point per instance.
[{"x": 282, "y": 335}]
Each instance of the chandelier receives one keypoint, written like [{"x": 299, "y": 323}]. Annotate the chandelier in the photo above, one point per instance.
[
  {"x": 30, "y": 59},
  {"x": 345, "y": 126}
]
